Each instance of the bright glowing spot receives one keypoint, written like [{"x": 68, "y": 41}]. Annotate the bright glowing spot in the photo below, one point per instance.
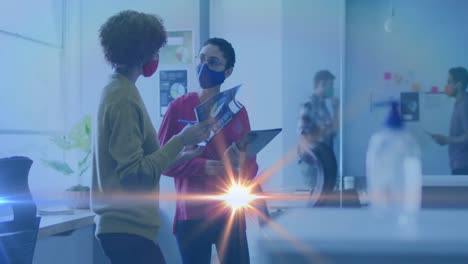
[
  {"x": 238, "y": 197},
  {"x": 3, "y": 201}
]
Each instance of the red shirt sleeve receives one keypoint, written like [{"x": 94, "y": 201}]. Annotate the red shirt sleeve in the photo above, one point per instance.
[{"x": 170, "y": 127}]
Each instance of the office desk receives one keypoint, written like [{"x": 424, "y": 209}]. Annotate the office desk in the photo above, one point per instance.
[
  {"x": 438, "y": 192},
  {"x": 356, "y": 236},
  {"x": 57, "y": 224},
  {"x": 66, "y": 239}
]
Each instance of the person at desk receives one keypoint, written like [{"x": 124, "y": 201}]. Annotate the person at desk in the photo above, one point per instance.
[
  {"x": 199, "y": 224},
  {"x": 127, "y": 157},
  {"x": 457, "y": 140}
]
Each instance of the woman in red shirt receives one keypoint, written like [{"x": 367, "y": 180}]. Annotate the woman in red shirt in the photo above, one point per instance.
[{"x": 199, "y": 224}]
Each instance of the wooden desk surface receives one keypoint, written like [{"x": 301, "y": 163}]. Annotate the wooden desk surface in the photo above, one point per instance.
[{"x": 56, "y": 224}]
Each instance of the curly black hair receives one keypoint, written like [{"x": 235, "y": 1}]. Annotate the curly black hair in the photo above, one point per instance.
[
  {"x": 226, "y": 48},
  {"x": 131, "y": 38},
  {"x": 323, "y": 75},
  {"x": 459, "y": 74}
]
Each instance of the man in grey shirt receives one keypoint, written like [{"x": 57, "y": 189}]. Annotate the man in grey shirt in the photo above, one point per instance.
[{"x": 457, "y": 141}]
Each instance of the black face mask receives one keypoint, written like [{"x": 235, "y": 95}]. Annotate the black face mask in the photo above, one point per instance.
[{"x": 209, "y": 78}]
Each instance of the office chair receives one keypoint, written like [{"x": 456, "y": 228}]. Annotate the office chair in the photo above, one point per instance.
[{"x": 17, "y": 236}]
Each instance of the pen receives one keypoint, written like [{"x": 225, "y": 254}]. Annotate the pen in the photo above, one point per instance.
[{"x": 187, "y": 122}]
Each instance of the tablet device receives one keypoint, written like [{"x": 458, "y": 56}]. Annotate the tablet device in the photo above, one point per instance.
[{"x": 254, "y": 141}]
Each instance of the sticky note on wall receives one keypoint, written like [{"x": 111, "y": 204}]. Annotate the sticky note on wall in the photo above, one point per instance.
[
  {"x": 387, "y": 76},
  {"x": 415, "y": 86}
]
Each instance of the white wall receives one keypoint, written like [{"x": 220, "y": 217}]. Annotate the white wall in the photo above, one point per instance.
[
  {"x": 313, "y": 36},
  {"x": 42, "y": 23},
  {"x": 31, "y": 72},
  {"x": 38, "y": 100},
  {"x": 429, "y": 38},
  {"x": 32, "y": 101},
  {"x": 255, "y": 28}
]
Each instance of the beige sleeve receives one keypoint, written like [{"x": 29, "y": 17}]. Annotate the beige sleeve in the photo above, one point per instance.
[{"x": 126, "y": 139}]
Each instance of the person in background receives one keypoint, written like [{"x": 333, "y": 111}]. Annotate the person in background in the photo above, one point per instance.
[
  {"x": 127, "y": 157},
  {"x": 457, "y": 140},
  {"x": 317, "y": 128},
  {"x": 316, "y": 122},
  {"x": 199, "y": 224}
]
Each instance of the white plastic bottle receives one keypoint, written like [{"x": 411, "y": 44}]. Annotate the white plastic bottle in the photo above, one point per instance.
[{"x": 394, "y": 174}]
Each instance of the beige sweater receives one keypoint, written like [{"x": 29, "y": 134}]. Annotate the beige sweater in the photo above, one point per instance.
[{"x": 127, "y": 163}]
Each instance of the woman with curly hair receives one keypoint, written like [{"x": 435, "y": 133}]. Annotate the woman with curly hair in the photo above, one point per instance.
[{"x": 127, "y": 157}]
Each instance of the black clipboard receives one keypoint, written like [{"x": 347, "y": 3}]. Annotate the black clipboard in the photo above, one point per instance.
[{"x": 254, "y": 141}]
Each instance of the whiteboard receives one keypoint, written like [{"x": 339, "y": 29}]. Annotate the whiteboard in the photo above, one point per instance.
[{"x": 39, "y": 20}]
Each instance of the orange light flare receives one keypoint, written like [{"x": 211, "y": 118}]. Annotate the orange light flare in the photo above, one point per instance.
[
  {"x": 238, "y": 196},
  {"x": 235, "y": 197}
]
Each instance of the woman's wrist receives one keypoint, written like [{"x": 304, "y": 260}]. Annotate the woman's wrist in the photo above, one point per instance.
[{"x": 182, "y": 138}]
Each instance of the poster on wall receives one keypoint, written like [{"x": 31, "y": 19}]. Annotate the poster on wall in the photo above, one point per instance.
[
  {"x": 410, "y": 106},
  {"x": 178, "y": 49},
  {"x": 172, "y": 84}
]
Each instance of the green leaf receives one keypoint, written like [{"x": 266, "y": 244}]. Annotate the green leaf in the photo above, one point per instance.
[
  {"x": 62, "y": 142},
  {"x": 60, "y": 166},
  {"x": 88, "y": 125},
  {"x": 80, "y": 135},
  {"x": 85, "y": 159}
]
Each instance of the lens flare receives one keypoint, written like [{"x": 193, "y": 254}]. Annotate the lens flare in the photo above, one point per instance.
[
  {"x": 3, "y": 201},
  {"x": 238, "y": 197}
]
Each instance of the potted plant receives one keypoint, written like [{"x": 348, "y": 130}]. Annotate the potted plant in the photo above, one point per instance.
[{"x": 77, "y": 141}]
